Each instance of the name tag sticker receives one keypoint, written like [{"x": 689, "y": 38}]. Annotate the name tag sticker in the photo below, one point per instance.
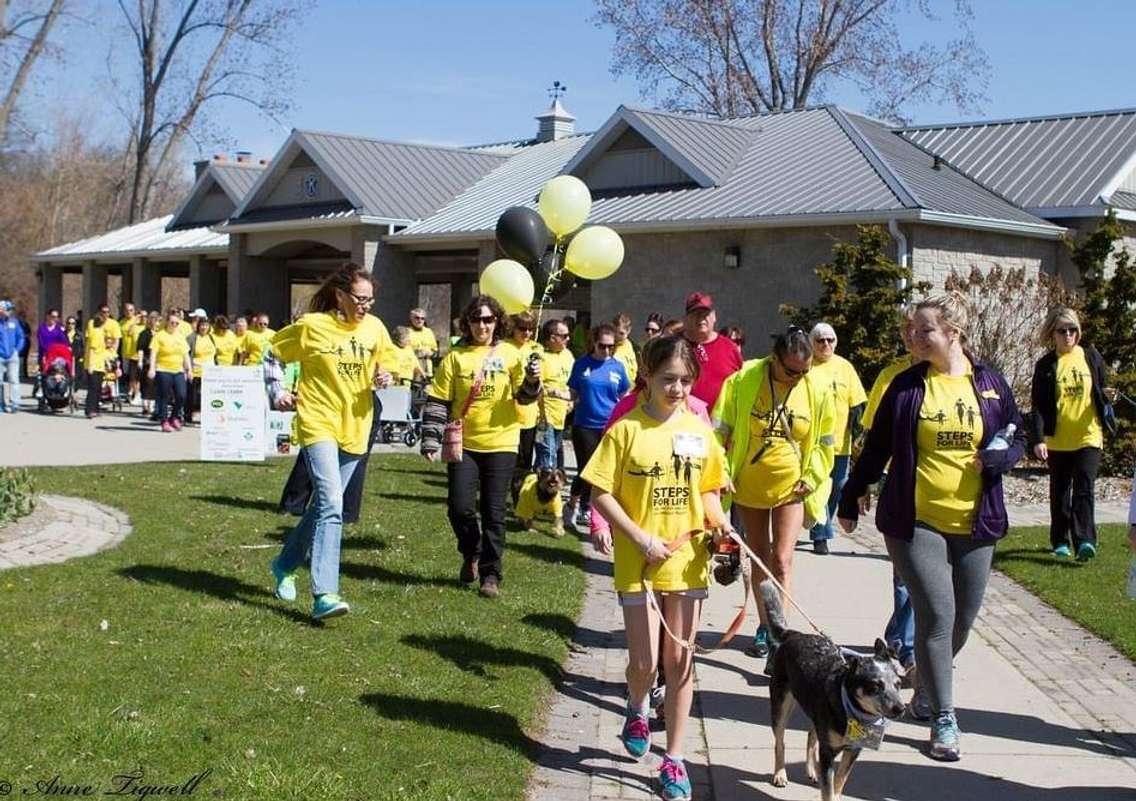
[
  {"x": 992, "y": 394},
  {"x": 689, "y": 444}
]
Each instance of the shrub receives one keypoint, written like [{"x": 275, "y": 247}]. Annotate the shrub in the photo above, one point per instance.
[{"x": 17, "y": 494}]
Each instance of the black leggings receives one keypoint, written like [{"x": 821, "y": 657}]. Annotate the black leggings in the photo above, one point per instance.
[
  {"x": 1072, "y": 475},
  {"x": 524, "y": 460},
  {"x": 94, "y": 390},
  {"x": 483, "y": 539},
  {"x": 584, "y": 442}
]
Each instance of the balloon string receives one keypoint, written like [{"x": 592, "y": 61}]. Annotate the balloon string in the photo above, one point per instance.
[{"x": 549, "y": 284}]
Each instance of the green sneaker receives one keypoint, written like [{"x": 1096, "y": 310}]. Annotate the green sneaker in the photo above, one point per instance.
[
  {"x": 760, "y": 645},
  {"x": 1062, "y": 552},
  {"x": 285, "y": 582},
  {"x": 1086, "y": 551},
  {"x": 328, "y": 605}
]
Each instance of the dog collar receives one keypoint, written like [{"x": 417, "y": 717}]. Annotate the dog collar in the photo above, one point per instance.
[{"x": 863, "y": 730}]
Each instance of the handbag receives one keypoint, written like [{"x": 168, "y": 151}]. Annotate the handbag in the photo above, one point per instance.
[{"x": 452, "y": 433}]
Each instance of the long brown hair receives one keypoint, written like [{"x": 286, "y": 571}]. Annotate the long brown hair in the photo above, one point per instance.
[{"x": 324, "y": 300}]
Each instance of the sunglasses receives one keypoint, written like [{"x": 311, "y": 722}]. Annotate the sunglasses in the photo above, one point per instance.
[
  {"x": 789, "y": 371},
  {"x": 487, "y": 319},
  {"x": 1068, "y": 331},
  {"x": 419, "y": 319},
  {"x": 652, "y": 330},
  {"x": 605, "y": 345},
  {"x": 556, "y": 335},
  {"x": 525, "y": 330}
]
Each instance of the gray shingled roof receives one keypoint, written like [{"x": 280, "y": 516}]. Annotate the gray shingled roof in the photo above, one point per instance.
[
  {"x": 382, "y": 179},
  {"x": 811, "y": 162},
  {"x": 1039, "y": 163}
]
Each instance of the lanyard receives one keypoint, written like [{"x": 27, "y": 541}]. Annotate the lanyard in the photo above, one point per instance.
[{"x": 776, "y": 414}]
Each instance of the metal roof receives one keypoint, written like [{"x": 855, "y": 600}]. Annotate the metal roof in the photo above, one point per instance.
[
  {"x": 390, "y": 180},
  {"x": 811, "y": 162},
  {"x": 148, "y": 239},
  {"x": 234, "y": 179},
  {"x": 1040, "y": 163},
  {"x": 1123, "y": 200}
]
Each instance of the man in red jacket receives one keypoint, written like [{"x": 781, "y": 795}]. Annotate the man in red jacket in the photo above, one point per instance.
[{"x": 718, "y": 356}]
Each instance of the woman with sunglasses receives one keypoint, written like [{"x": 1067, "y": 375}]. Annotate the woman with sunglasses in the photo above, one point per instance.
[
  {"x": 339, "y": 347},
  {"x": 597, "y": 383},
  {"x": 480, "y": 382},
  {"x": 1070, "y": 404},
  {"x": 776, "y": 423},
  {"x": 653, "y": 328}
]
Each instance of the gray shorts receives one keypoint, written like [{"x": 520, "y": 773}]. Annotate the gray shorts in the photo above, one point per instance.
[{"x": 640, "y": 598}]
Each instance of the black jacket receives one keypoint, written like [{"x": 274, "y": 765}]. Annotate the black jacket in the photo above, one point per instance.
[{"x": 1043, "y": 394}]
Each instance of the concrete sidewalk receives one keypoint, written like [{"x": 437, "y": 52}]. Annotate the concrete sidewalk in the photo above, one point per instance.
[{"x": 1048, "y": 711}]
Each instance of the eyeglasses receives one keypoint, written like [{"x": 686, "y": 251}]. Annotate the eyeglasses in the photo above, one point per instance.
[
  {"x": 558, "y": 335},
  {"x": 825, "y": 340},
  {"x": 1066, "y": 331},
  {"x": 789, "y": 371},
  {"x": 487, "y": 319},
  {"x": 525, "y": 330},
  {"x": 366, "y": 301}
]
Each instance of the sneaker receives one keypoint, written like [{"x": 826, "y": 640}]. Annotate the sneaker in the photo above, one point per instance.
[
  {"x": 285, "y": 582},
  {"x": 636, "y": 734},
  {"x": 658, "y": 696},
  {"x": 760, "y": 645},
  {"x": 166, "y": 427},
  {"x": 176, "y": 423},
  {"x": 920, "y": 706},
  {"x": 945, "y": 738},
  {"x": 328, "y": 605},
  {"x": 583, "y": 522},
  {"x": 820, "y": 547},
  {"x": 570, "y": 512},
  {"x": 673, "y": 780},
  {"x": 490, "y": 587},
  {"x": 1086, "y": 551},
  {"x": 468, "y": 573},
  {"x": 1062, "y": 552}
]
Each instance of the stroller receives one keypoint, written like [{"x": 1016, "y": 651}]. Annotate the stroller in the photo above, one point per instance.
[
  {"x": 399, "y": 420},
  {"x": 55, "y": 384},
  {"x": 111, "y": 392}
]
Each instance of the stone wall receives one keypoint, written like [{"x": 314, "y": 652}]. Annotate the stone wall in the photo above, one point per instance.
[{"x": 937, "y": 250}]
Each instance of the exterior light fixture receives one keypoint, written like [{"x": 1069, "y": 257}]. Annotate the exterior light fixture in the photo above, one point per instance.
[{"x": 732, "y": 258}]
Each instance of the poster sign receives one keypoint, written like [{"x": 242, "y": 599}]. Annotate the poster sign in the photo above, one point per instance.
[
  {"x": 233, "y": 411},
  {"x": 278, "y": 433}
]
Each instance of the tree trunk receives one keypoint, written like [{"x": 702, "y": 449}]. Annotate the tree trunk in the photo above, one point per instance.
[{"x": 31, "y": 55}]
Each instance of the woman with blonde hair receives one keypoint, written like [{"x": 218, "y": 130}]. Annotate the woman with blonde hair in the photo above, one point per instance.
[
  {"x": 950, "y": 428},
  {"x": 1071, "y": 415}
]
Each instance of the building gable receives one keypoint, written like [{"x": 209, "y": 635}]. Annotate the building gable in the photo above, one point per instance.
[
  {"x": 302, "y": 183},
  {"x": 218, "y": 191},
  {"x": 633, "y": 163}
]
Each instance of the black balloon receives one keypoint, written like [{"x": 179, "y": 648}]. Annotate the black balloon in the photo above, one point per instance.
[
  {"x": 522, "y": 234},
  {"x": 564, "y": 283}
]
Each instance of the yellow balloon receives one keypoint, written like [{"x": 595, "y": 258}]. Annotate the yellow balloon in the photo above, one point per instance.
[
  {"x": 565, "y": 203},
  {"x": 510, "y": 283},
  {"x": 594, "y": 253}
]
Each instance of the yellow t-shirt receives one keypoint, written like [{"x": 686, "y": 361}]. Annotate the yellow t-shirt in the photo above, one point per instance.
[
  {"x": 98, "y": 351},
  {"x": 491, "y": 425},
  {"x": 555, "y": 370},
  {"x": 658, "y": 472},
  {"x": 405, "y": 365},
  {"x": 839, "y": 376},
  {"x": 337, "y": 367},
  {"x": 880, "y": 387},
  {"x": 528, "y": 413},
  {"x": 1077, "y": 423},
  {"x": 130, "y": 330},
  {"x": 423, "y": 339},
  {"x": 529, "y": 506},
  {"x": 626, "y": 354},
  {"x": 184, "y": 328},
  {"x": 777, "y": 435},
  {"x": 256, "y": 342},
  {"x": 947, "y": 485},
  {"x": 226, "y": 347},
  {"x": 168, "y": 351},
  {"x": 204, "y": 351}
]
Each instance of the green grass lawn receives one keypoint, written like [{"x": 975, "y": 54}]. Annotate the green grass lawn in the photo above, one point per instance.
[
  {"x": 424, "y": 691},
  {"x": 1093, "y": 593}
]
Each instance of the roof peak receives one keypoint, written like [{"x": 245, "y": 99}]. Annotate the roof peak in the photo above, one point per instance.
[
  {"x": 1011, "y": 120},
  {"x": 396, "y": 142}
]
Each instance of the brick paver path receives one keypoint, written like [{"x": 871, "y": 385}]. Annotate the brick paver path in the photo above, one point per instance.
[{"x": 68, "y": 527}]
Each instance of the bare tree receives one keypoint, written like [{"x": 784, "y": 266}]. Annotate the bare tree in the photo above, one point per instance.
[
  {"x": 191, "y": 55},
  {"x": 736, "y": 57},
  {"x": 23, "y": 39}
]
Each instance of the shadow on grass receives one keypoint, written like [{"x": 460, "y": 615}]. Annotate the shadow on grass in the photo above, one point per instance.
[
  {"x": 225, "y": 588},
  {"x": 475, "y": 656},
  {"x": 1036, "y": 556},
  {"x": 382, "y": 574},
  {"x": 560, "y": 556},
  {"x": 431, "y": 500},
  {"x": 238, "y": 503}
]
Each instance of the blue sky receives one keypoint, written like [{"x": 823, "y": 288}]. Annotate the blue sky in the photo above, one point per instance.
[{"x": 463, "y": 72}]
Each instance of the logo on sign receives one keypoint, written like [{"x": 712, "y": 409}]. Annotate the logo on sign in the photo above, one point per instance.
[
  {"x": 310, "y": 184},
  {"x": 218, "y": 404},
  {"x": 238, "y": 404}
]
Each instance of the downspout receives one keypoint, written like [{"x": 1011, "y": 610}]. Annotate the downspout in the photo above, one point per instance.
[{"x": 901, "y": 247}]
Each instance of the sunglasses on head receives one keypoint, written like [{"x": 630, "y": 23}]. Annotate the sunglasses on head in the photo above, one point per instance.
[{"x": 1066, "y": 330}]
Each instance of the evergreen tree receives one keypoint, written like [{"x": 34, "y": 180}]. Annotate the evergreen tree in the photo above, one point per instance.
[{"x": 862, "y": 296}]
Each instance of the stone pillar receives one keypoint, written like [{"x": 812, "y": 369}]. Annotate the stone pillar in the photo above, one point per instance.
[
  {"x": 127, "y": 292},
  {"x": 50, "y": 289},
  {"x": 205, "y": 290},
  {"x": 256, "y": 283},
  {"x": 396, "y": 284},
  {"x": 94, "y": 288},
  {"x": 146, "y": 292}
]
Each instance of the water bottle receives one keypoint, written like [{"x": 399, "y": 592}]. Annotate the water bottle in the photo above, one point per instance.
[{"x": 1002, "y": 440}]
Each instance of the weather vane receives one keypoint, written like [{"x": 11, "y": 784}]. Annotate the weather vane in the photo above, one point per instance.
[{"x": 557, "y": 91}]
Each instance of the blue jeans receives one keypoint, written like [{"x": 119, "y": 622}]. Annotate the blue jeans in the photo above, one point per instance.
[
  {"x": 10, "y": 372},
  {"x": 825, "y": 530},
  {"x": 549, "y": 442},
  {"x": 900, "y": 631},
  {"x": 170, "y": 385},
  {"x": 321, "y": 527}
]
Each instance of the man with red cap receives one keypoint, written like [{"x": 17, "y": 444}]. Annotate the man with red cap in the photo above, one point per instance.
[{"x": 718, "y": 356}]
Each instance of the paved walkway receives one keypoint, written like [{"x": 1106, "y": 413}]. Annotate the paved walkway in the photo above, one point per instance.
[
  {"x": 1048, "y": 710},
  {"x": 60, "y": 529}
]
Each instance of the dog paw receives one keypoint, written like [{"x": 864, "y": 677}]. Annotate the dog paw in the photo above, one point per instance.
[{"x": 781, "y": 778}]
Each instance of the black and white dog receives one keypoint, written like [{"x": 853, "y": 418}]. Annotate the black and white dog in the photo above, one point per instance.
[{"x": 848, "y": 697}]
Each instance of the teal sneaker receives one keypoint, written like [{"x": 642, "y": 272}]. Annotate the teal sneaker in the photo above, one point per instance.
[
  {"x": 1062, "y": 552},
  {"x": 1086, "y": 551},
  {"x": 636, "y": 734},
  {"x": 945, "y": 737},
  {"x": 673, "y": 780},
  {"x": 328, "y": 605},
  {"x": 760, "y": 646},
  {"x": 285, "y": 582}
]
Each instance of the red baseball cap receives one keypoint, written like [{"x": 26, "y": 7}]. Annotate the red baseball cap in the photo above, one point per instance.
[{"x": 698, "y": 301}]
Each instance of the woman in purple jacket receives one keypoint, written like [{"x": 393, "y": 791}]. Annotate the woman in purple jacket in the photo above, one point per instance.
[
  {"x": 50, "y": 332},
  {"x": 945, "y": 425}
]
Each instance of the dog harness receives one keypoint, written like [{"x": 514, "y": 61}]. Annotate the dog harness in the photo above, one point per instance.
[{"x": 863, "y": 730}]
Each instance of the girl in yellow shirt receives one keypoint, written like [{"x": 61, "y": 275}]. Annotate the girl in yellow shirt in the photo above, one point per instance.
[
  {"x": 225, "y": 340},
  {"x": 170, "y": 366},
  {"x": 656, "y": 473},
  {"x": 203, "y": 351},
  {"x": 339, "y": 347}
]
